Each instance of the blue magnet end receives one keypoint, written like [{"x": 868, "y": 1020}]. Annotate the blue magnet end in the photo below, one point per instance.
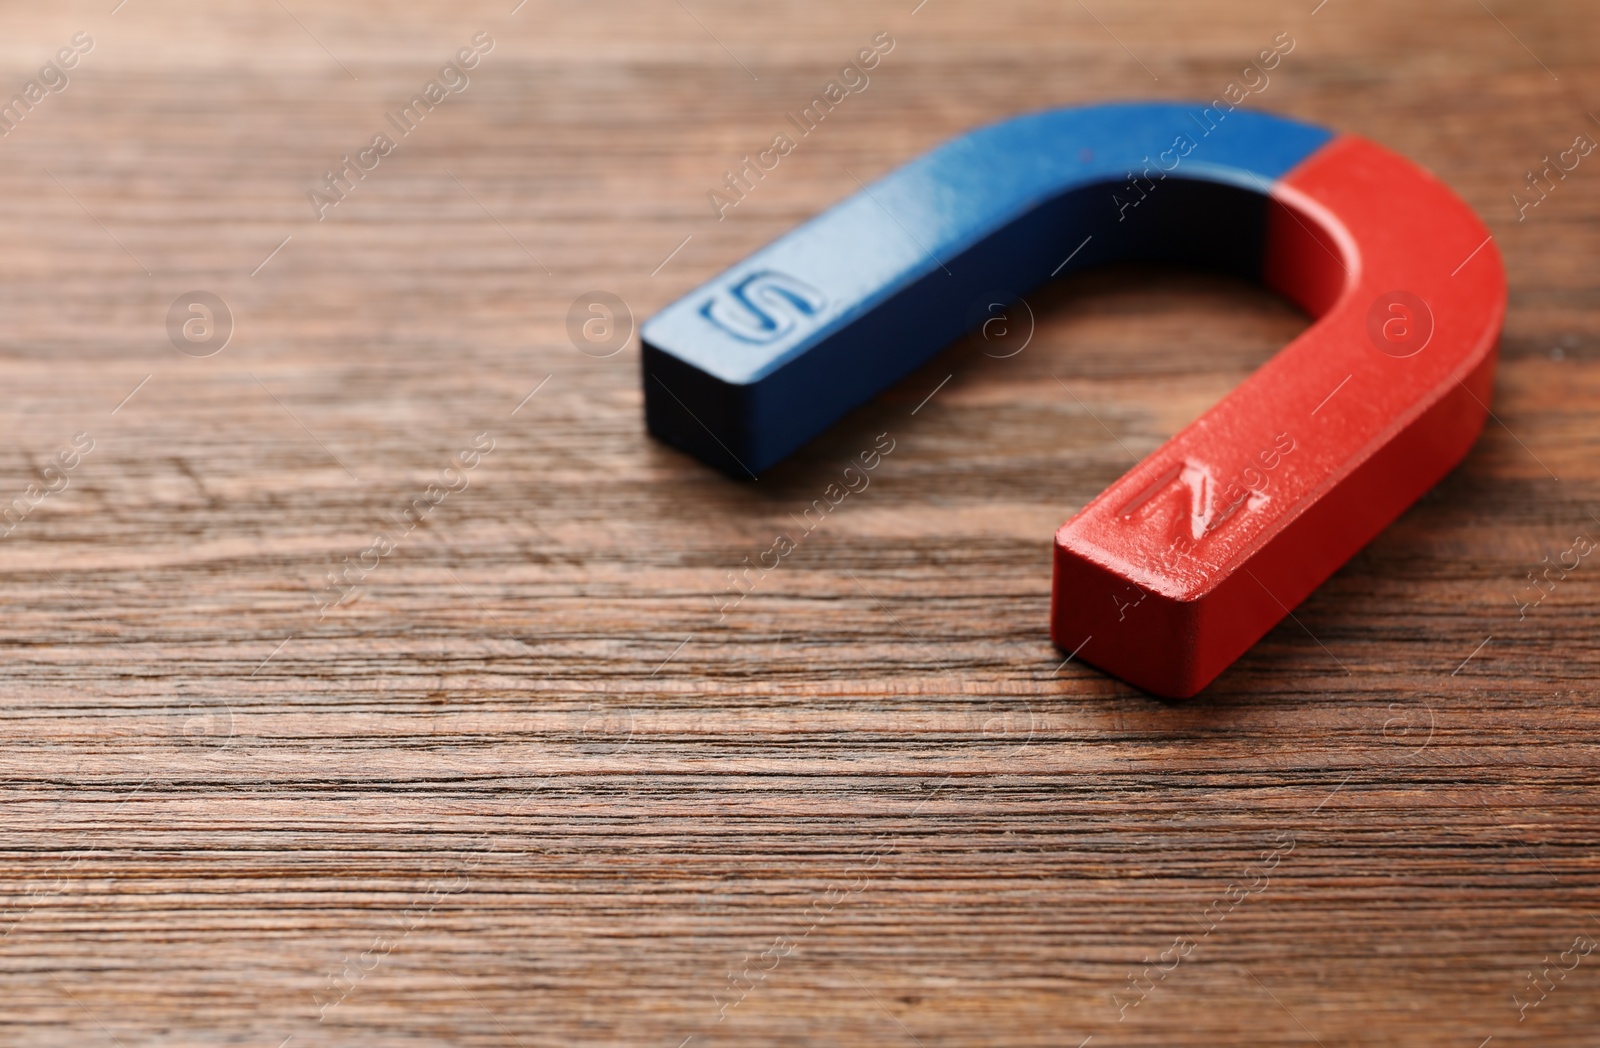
[{"x": 747, "y": 368}]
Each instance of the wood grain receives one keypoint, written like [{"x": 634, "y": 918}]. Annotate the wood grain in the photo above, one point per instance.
[{"x": 526, "y": 785}]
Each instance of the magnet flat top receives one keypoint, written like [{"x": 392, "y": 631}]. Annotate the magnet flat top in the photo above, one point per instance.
[{"x": 748, "y": 367}]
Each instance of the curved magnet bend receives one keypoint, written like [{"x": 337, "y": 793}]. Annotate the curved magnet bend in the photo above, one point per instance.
[{"x": 1176, "y": 569}]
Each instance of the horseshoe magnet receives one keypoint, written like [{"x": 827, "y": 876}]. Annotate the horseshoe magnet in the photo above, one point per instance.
[{"x": 1180, "y": 566}]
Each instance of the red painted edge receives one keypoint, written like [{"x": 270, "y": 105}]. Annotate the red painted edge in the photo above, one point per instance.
[{"x": 1149, "y": 587}]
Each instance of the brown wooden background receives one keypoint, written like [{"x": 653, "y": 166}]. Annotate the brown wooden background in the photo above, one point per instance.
[{"x": 529, "y": 788}]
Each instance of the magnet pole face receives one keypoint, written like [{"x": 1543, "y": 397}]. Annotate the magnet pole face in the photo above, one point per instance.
[{"x": 1182, "y": 564}]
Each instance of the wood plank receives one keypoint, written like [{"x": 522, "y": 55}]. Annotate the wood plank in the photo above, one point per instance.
[{"x": 527, "y": 785}]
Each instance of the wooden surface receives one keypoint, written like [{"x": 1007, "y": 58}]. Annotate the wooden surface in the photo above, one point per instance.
[{"x": 525, "y": 785}]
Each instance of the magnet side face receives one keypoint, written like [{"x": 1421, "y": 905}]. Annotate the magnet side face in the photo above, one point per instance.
[
  {"x": 747, "y": 368},
  {"x": 1177, "y": 568}
]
